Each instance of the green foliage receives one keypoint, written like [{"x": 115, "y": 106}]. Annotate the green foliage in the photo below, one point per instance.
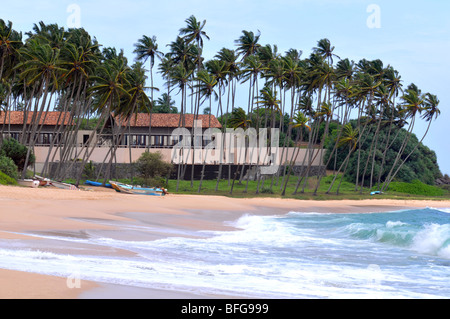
[
  {"x": 7, "y": 167},
  {"x": 152, "y": 169},
  {"x": 421, "y": 165},
  {"x": 17, "y": 152},
  {"x": 416, "y": 187},
  {"x": 89, "y": 170},
  {"x": 6, "y": 180}
]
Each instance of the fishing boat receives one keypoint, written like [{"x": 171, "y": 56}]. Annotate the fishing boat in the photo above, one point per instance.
[
  {"x": 115, "y": 185},
  {"x": 42, "y": 180},
  {"x": 130, "y": 189},
  {"x": 97, "y": 184},
  {"x": 62, "y": 185},
  {"x": 28, "y": 183}
]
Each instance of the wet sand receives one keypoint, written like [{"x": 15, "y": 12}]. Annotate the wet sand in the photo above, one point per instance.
[{"x": 24, "y": 211}]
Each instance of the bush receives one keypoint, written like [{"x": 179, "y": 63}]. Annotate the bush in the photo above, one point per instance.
[
  {"x": 89, "y": 170},
  {"x": 421, "y": 165},
  {"x": 17, "y": 152},
  {"x": 152, "y": 169},
  {"x": 6, "y": 180},
  {"x": 8, "y": 167},
  {"x": 416, "y": 188}
]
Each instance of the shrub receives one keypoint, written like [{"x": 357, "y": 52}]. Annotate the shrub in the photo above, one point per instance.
[
  {"x": 8, "y": 167},
  {"x": 152, "y": 169},
  {"x": 17, "y": 152},
  {"x": 89, "y": 170},
  {"x": 6, "y": 180},
  {"x": 416, "y": 187}
]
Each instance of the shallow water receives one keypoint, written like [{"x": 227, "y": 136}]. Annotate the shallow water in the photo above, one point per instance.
[{"x": 403, "y": 254}]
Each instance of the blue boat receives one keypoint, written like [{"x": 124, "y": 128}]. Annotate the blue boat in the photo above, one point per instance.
[
  {"x": 129, "y": 189},
  {"x": 91, "y": 183}
]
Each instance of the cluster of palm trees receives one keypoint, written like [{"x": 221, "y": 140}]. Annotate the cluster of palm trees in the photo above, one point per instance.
[{"x": 303, "y": 97}]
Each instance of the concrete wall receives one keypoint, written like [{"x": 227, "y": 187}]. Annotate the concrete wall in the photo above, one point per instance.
[{"x": 125, "y": 155}]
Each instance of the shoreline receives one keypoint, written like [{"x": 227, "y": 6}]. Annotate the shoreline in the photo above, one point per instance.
[{"x": 27, "y": 210}]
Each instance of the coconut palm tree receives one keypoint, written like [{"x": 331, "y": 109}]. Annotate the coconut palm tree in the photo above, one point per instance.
[
  {"x": 40, "y": 66},
  {"x": 431, "y": 111},
  {"x": 325, "y": 49},
  {"x": 147, "y": 49},
  {"x": 10, "y": 42},
  {"x": 194, "y": 33},
  {"x": 248, "y": 44},
  {"x": 412, "y": 105},
  {"x": 269, "y": 100},
  {"x": 164, "y": 104},
  {"x": 349, "y": 138},
  {"x": 238, "y": 120},
  {"x": 110, "y": 88},
  {"x": 206, "y": 89},
  {"x": 300, "y": 122}
]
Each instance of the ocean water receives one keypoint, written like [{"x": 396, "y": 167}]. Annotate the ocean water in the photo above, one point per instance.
[{"x": 402, "y": 254}]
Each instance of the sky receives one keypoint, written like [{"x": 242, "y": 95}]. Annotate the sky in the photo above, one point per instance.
[{"x": 412, "y": 36}]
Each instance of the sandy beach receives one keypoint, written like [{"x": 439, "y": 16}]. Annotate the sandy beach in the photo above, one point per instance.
[{"x": 26, "y": 210}]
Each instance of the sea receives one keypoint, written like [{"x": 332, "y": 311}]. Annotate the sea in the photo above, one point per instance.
[{"x": 399, "y": 254}]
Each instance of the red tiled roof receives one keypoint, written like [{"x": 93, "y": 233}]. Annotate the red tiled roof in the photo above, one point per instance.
[
  {"x": 172, "y": 120},
  {"x": 47, "y": 118}
]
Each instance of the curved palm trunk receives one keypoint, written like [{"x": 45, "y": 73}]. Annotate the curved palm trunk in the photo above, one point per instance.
[
  {"x": 407, "y": 157},
  {"x": 399, "y": 154}
]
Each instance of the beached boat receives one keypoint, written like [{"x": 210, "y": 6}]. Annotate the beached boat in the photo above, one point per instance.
[
  {"x": 42, "y": 180},
  {"x": 130, "y": 189},
  {"x": 97, "y": 184},
  {"x": 63, "y": 185},
  {"x": 115, "y": 185},
  {"x": 28, "y": 183}
]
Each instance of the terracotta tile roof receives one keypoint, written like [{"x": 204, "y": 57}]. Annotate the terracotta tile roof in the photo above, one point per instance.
[
  {"x": 171, "y": 120},
  {"x": 47, "y": 118}
]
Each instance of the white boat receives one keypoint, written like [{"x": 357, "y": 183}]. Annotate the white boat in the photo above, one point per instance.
[
  {"x": 63, "y": 185},
  {"x": 28, "y": 183},
  {"x": 43, "y": 181},
  {"x": 129, "y": 189}
]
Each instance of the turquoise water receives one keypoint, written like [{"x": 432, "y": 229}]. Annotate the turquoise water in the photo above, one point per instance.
[{"x": 404, "y": 254}]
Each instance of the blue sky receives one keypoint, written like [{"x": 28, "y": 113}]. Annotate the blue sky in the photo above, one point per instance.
[{"x": 414, "y": 36}]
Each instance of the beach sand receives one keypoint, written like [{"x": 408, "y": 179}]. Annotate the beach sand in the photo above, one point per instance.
[{"x": 26, "y": 210}]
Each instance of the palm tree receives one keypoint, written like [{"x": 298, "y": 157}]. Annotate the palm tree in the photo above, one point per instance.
[
  {"x": 136, "y": 101},
  {"x": 110, "y": 89},
  {"x": 412, "y": 105},
  {"x": 238, "y": 119},
  {"x": 79, "y": 59},
  {"x": 247, "y": 44},
  {"x": 431, "y": 110},
  {"x": 147, "y": 49},
  {"x": 10, "y": 42},
  {"x": 392, "y": 81},
  {"x": 349, "y": 138},
  {"x": 194, "y": 33},
  {"x": 206, "y": 89},
  {"x": 325, "y": 49},
  {"x": 180, "y": 76},
  {"x": 300, "y": 121},
  {"x": 40, "y": 66},
  {"x": 218, "y": 69},
  {"x": 271, "y": 104},
  {"x": 164, "y": 104}
]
